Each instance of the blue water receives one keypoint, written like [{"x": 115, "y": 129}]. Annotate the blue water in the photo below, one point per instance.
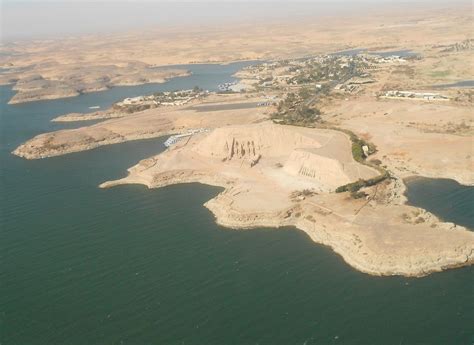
[
  {"x": 356, "y": 51},
  {"x": 350, "y": 52},
  {"x": 402, "y": 53},
  {"x": 448, "y": 199},
  {"x": 129, "y": 265},
  {"x": 460, "y": 84}
]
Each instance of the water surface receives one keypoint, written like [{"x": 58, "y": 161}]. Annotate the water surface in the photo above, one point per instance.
[
  {"x": 230, "y": 106},
  {"x": 350, "y": 52},
  {"x": 459, "y": 84},
  {"x": 128, "y": 265},
  {"x": 448, "y": 199},
  {"x": 404, "y": 53}
]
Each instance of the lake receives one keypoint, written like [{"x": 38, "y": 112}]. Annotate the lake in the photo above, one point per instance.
[
  {"x": 446, "y": 198},
  {"x": 129, "y": 265},
  {"x": 459, "y": 84},
  {"x": 404, "y": 53}
]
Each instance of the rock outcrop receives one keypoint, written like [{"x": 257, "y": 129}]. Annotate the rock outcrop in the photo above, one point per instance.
[{"x": 373, "y": 235}]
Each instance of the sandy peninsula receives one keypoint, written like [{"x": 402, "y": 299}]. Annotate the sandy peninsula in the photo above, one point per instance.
[
  {"x": 40, "y": 83},
  {"x": 272, "y": 176},
  {"x": 151, "y": 123}
]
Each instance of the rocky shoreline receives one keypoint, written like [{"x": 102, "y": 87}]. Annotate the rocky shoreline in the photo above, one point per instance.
[
  {"x": 31, "y": 88},
  {"x": 97, "y": 115},
  {"x": 344, "y": 236},
  {"x": 87, "y": 144},
  {"x": 379, "y": 235}
]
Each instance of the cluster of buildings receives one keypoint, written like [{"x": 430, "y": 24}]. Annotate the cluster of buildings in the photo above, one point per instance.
[
  {"x": 459, "y": 46},
  {"x": 379, "y": 59},
  {"x": 317, "y": 70},
  {"x": 428, "y": 96},
  {"x": 340, "y": 71},
  {"x": 353, "y": 84},
  {"x": 224, "y": 87},
  {"x": 173, "y": 98}
]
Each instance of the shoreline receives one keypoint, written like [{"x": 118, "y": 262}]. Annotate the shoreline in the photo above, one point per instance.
[
  {"x": 272, "y": 176},
  {"x": 229, "y": 217},
  {"x": 20, "y": 98},
  {"x": 423, "y": 191},
  {"x": 381, "y": 235},
  {"x": 89, "y": 146},
  {"x": 151, "y": 123}
]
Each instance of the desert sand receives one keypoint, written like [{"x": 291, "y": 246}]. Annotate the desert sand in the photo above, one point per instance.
[
  {"x": 66, "y": 67},
  {"x": 276, "y": 175},
  {"x": 151, "y": 123},
  {"x": 414, "y": 138},
  {"x": 71, "y": 81}
]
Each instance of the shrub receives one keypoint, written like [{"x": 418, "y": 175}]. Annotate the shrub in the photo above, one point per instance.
[
  {"x": 358, "y": 195},
  {"x": 419, "y": 220},
  {"x": 355, "y": 186}
]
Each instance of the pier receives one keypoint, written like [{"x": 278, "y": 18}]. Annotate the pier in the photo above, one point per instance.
[{"x": 177, "y": 137}]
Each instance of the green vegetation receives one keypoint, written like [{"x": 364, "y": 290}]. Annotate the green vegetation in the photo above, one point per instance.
[
  {"x": 359, "y": 156},
  {"x": 293, "y": 110},
  {"x": 332, "y": 68},
  {"x": 358, "y": 195},
  {"x": 298, "y": 109},
  {"x": 358, "y": 149},
  {"x": 356, "y": 186},
  {"x": 308, "y": 192},
  {"x": 375, "y": 162},
  {"x": 133, "y": 108},
  {"x": 305, "y": 93}
]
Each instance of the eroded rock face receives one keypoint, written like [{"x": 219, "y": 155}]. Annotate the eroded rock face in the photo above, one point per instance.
[
  {"x": 302, "y": 152},
  {"x": 240, "y": 150},
  {"x": 322, "y": 169},
  {"x": 265, "y": 139},
  {"x": 393, "y": 249}
]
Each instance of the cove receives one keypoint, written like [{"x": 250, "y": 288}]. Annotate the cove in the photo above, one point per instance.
[
  {"x": 445, "y": 198},
  {"x": 129, "y": 265}
]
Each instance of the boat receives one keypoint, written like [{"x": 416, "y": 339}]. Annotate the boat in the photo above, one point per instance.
[{"x": 226, "y": 86}]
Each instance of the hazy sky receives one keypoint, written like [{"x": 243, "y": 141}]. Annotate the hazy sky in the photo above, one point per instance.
[{"x": 25, "y": 19}]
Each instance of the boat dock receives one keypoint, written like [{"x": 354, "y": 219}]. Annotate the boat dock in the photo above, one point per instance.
[{"x": 177, "y": 137}]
